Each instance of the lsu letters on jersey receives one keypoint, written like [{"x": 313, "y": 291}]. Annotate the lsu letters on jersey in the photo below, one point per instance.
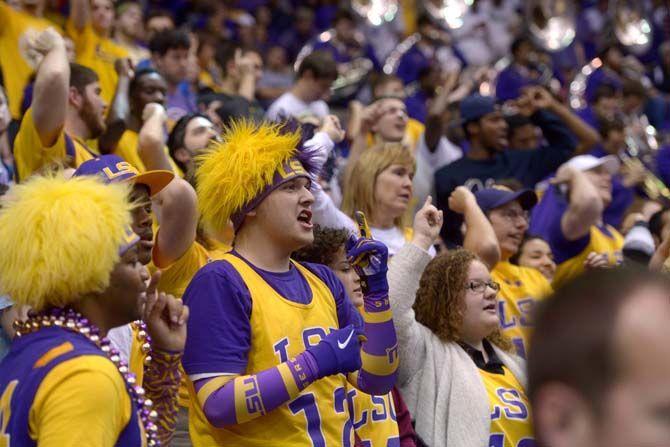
[
  {"x": 278, "y": 329},
  {"x": 520, "y": 289}
]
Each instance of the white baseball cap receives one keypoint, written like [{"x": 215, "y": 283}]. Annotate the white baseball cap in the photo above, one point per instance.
[{"x": 587, "y": 162}]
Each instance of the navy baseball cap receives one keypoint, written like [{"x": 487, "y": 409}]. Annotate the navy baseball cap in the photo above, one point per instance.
[
  {"x": 113, "y": 169},
  {"x": 475, "y": 106},
  {"x": 491, "y": 198}
]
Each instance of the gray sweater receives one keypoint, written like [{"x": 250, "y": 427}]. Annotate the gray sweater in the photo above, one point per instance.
[{"x": 439, "y": 381}]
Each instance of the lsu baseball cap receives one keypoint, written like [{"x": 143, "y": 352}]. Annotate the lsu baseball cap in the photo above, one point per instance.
[
  {"x": 491, "y": 198},
  {"x": 587, "y": 162},
  {"x": 113, "y": 169}
]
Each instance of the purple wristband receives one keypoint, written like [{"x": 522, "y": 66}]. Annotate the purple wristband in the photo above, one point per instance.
[{"x": 304, "y": 369}]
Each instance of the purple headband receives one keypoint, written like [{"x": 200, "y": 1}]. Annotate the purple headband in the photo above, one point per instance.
[{"x": 293, "y": 168}]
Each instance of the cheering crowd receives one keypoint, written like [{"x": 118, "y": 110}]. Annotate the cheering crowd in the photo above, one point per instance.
[{"x": 279, "y": 223}]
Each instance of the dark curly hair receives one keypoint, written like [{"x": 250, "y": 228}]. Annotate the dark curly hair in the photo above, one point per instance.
[
  {"x": 439, "y": 301},
  {"x": 327, "y": 242}
]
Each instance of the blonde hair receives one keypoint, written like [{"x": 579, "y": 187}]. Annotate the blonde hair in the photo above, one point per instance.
[
  {"x": 359, "y": 192},
  {"x": 61, "y": 238}
]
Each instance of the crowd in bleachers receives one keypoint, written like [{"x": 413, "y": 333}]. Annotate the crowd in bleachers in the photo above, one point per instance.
[{"x": 288, "y": 223}]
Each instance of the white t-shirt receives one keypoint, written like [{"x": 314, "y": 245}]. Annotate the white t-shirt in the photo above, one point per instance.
[
  {"x": 394, "y": 239},
  {"x": 427, "y": 163},
  {"x": 289, "y": 105},
  {"x": 122, "y": 339}
]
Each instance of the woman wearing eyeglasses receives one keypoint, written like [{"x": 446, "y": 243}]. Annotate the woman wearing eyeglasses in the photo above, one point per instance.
[
  {"x": 505, "y": 214},
  {"x": 457, "y": 374}
]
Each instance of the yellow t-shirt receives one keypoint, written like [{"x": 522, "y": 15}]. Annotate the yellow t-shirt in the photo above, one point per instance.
[
  {"x": 67, "y": 411},
  {"x": 99, "y": 54},
  {"x": 136, "y": 53},
  {"x": 511, "y": 421},
  {"x": 127, "y": 149},
  {"x": 601, "y": 239},
  {"x": 17, "y": 29},
  {"x": 175, "y": 278},
  {"x": 206, "y": 80},
  {"x": 30, "y": 154},
  {"x": 520, "y": 289}
]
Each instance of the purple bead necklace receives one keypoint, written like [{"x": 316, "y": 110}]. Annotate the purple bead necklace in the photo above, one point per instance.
[{"x": 73, "y": 321}]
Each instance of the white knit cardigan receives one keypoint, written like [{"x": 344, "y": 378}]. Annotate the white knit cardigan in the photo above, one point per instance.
[{"x": 439, "y": 381}]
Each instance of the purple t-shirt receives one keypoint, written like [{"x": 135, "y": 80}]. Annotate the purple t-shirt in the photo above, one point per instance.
[{"x": 219, "y": 329}]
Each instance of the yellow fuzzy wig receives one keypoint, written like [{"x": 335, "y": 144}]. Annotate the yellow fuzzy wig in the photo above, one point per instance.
[
  {"x": 233, "y": 172},
  {"x": 60, "y": 239}
]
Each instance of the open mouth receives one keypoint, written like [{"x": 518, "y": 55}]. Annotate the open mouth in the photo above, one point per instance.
[
  {"x": 405, "y": 196},
  {"x": 305, "y": 219},
  {"x": 490, "y": 307}
]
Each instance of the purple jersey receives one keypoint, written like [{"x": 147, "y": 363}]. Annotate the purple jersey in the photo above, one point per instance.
[{"x": 25, "y": 367}]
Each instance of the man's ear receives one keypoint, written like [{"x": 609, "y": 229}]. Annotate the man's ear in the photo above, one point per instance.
[
  {"x": 75, "y": 98},
  {"x": 563, "y": 417}
]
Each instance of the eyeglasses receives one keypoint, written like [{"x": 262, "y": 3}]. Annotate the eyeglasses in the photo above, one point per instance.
[
  {"x": 514, "y": 215},
  {"x": 480, "y": 286}
]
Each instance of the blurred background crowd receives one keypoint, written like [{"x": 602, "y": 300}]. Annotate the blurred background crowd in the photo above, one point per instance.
[{"x": 541, "y": 129}]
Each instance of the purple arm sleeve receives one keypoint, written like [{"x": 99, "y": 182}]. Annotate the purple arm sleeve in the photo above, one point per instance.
[
  {"x": 261, "y": 393},
  {"x": 377, "y": 376}
]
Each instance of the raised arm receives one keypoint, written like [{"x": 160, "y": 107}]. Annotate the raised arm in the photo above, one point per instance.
[
  {"x": 80, "y": 13},
  {"x": 404, "y": 276},
  {"x": 177, "y": 213},
  {"x": 52, "y": 86},
  {"x": 379, "y": 353},
  {"x": 247, "y": 87},
  {"x": 359, "y": 143},
  {"x": 585, "y": 207},
  {"x": 325, "y": 212},
  {"x": 119, "y": 111},
  {"x": 452, "y": 91},
  {"x": 587, "y": 136},
  {"x": 151, "y": 138},
  {"x": 479, "y": 235},
  {"x": 537, "y": 104}
]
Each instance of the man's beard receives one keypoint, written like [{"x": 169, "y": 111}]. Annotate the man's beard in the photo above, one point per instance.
[{"x": 96, "y": 127}]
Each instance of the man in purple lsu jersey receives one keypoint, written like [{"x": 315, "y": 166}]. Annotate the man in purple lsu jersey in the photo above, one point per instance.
[{"x": 274, "y": 343}]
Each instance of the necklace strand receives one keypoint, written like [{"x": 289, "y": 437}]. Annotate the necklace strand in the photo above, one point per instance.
[{"x": 73, "y": 321}]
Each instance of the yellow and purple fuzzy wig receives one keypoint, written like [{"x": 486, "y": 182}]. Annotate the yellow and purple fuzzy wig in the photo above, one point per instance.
[
  {"x": 232, "y": 173},
  {"x": 60, "y": 239}
]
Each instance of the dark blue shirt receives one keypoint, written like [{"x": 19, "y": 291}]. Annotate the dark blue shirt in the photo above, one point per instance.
[{"x": 528, "y": 167}]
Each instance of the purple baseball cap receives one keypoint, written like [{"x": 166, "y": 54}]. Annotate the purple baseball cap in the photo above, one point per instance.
[
  {"x": 475, "y": 106},
  {"x": 491, "y": 198},
  {"x": 113, "y": 169}
]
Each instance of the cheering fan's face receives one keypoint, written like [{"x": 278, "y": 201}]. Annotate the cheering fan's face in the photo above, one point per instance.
[{"x": 286, "y": 214}]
